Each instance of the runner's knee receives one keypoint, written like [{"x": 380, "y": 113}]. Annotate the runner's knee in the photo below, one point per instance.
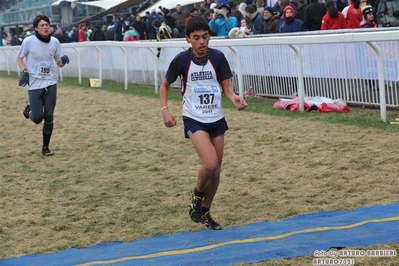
[{"x": 37, "y": 119}]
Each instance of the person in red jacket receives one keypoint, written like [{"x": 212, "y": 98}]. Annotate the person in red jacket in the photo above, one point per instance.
[
  {"x": 193, "y": 13},
  {"x": 82, "y": 34},
  {"x": 333, "y": 19},
  {"x": 353, "y": 14}
]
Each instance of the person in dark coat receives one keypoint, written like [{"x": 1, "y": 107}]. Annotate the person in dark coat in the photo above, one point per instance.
[
  {"x": 97, "y": 34},
  {"x": 62, "y": 37},
  {"x": 140, "y": 27},
  {"x": 314, "y": 14},
  {"x": 118, "y": 29},
  {"x": 255, "y": 19},
  {"x": 339, "y": 5},
  {"x": 299, "y": 8},
  {"x": 15, "y": 40},
  {"x": 169, "y": 20},
  {"x": 150, "y": 29},
  {"x": 290, "y": 23},
  {"x": 110, "y": 33}
]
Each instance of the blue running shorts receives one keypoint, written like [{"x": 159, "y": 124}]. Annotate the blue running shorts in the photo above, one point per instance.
[{"x": 213, "y": 129}]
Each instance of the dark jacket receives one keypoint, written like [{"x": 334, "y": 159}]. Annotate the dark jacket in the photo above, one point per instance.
[
  {"x": 256, "y": 24},
  {"x": 140, "y": 28},
  {"x": 118, "y": 31},
  {"x": 63, "y": 38},
  {"x": 271, "y": 25},
  {"x": 149, "y": 27},
  {"x": 179, "y": 19},
  {"x": 314, "y": 14},
  {"x": 15, "y": 41},
  {"x": 291, "y": 24},
  {"x": 97, "y": 35},
  {"x": 170, "y": 21},
  {"x": 339, "y": 5},
  {"x": 300, "y": 8},
  {"x": 74, "y": 36},
  {"x": 109, "y": 35}
]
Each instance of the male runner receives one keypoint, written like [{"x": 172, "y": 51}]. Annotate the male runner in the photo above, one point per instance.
[
  {"x": 205, "y": 75},
  {"x": 40, "y": 77}
]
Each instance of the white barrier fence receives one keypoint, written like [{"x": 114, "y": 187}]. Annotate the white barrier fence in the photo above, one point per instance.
[{"x": 351, "y": 65}]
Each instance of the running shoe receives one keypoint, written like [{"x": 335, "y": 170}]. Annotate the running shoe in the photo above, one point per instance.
[
  {"x": 209, "y": 222},
  {"x": 27, "y": 110},
  {"x": 46, "y": 151},
  {"x": 195, "y": 207}
]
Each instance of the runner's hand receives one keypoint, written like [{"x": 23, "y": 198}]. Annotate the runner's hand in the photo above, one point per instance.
[
  {"x": 65, "y": 59},
  {"x": 24, "y": 79}
]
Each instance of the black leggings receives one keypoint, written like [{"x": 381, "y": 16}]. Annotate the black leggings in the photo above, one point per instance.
[{"x": 42, "y": 104}]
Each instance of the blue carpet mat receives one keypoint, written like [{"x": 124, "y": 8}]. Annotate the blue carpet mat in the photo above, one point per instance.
[{"x": 297, "y": 236}]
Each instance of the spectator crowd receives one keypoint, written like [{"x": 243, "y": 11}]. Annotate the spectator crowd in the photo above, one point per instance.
[{"x": 238, "y": 20}]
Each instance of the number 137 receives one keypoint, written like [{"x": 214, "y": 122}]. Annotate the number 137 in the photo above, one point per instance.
[{"x": 206, "y": 98}]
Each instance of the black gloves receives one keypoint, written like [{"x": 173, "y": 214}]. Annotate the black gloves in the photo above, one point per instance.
[
  {"x": 24, "y": 79},
  {"x": 65, "y": 59}
]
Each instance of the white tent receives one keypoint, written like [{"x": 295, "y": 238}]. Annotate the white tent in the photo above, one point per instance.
[
  {"x": 105, "y": 4},
  {"x": 109, "y": 6},
  {"x": 169, "y": 4},
  {"x": 56, "y": 3}
]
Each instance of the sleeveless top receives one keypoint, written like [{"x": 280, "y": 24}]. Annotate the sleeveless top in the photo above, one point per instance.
[{"x": 200, "y": 84}]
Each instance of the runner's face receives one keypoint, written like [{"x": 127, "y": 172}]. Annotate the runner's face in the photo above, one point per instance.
[
  {"x": 199, "y": 41},
  {"x": 43, "y": 28}
]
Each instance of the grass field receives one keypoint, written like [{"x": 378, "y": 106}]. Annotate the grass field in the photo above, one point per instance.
[{"x": 119, "y": 174}]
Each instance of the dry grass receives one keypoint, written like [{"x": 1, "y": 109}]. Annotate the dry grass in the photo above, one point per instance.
[{"x": 119, "y": 174}]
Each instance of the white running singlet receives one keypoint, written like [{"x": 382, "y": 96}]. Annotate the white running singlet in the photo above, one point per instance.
[{"x": 202, "y": 100}]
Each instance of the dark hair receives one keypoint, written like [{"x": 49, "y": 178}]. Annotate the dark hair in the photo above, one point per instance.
[
  {"x": 196, "y": 23},
  {"x": 38, "y": 18},
  {"x": 284, "y": 3},
  {"x": 332, "y": 10},
  {"x": 208, "y": 13},
  {"x": 250, "y": 8},
  {"x": 156, "y": 23},
  {"x": 232, "y": 4},
  {"x": 357, "y": 3}
]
